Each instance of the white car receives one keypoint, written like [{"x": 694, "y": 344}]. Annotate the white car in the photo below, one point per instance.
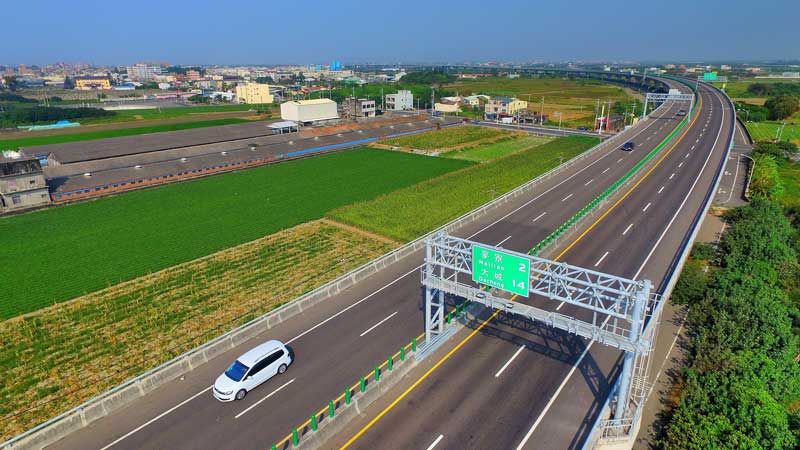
[{"x": 251, "y": 369}]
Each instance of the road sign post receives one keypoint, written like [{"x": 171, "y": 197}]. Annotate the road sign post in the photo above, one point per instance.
[{"x": 501, "y": 270}]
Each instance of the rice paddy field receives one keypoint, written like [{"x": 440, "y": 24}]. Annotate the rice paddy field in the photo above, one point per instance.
[
  {"x": 488, "y": 152},
  {"x": 574, "y": 99},
  {"x": 68, "y": 251},
  {"x": 105, "y": 338},
  {"x": 448, "y": 137},
  {"x": 413, "y": 211},
  {"x": 761, "y": 131}
]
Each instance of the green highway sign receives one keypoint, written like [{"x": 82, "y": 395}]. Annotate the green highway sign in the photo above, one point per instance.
[
  {"x": 710, "y": 76},
  {"x": 501, "y": 270}
]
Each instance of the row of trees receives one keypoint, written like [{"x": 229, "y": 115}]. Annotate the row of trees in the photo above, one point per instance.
[
  {"x": 775, "y": 108},
  {"x": 11, "y": 118},
  {"x": 741, "y": 387},
  {"x": 773, "y": 89}
]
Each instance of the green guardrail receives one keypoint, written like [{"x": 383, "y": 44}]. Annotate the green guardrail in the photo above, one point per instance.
[{"x": 590, "y": 207}]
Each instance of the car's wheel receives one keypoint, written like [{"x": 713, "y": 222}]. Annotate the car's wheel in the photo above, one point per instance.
[
  {"x": 282, "y": 368},
  {"x": 240, "y": 395}
]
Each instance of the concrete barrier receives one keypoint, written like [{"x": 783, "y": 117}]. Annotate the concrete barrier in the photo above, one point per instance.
[{"x": 113, "y": 399}]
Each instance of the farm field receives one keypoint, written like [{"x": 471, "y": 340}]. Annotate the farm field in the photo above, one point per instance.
[
  {"x": 488, "y": 152},
  {"x": 767, "y": 131},
  {"x": 575, "y": 99},
  {"x": 84, "y": 247},
  {"x": 738, "y": 88},
  {"x": 412, "y": 211},
  {"x": 105, "y": 338},
  {"x": 447, "y": 137},
  {"x": 173, "y": 112},
  {"x": 103, "y": 134}
]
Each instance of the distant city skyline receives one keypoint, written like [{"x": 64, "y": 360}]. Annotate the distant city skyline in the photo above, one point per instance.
[{"x": 261, "y": 33}]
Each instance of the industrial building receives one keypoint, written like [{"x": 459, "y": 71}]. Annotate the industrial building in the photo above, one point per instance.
[
  {"x": 309, "y": 111},
  {"x": 446, "y": 108},
  {"x": 353, "y": 108},
  {"x": 401, "y": 101},
  {"x": 253, "y": 93},
  {"x": 88, "y": 83},
  {"x": 22, "y": 183}
]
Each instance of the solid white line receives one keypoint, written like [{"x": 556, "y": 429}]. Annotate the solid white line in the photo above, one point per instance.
[
  {"x": 539, "y": 216},
  {"x": 647, "y": 206},
  {"x": 501, "y": 242},
  {"x": 671, "y": 176},
  {"x": 636, "y": 276},
  {"x": 430, "y": 447},
  {"x": 587, "y": 183},
  {"x": 607, "y": 169},
  {"x": 566, "y": 198},
  {"x": 268, "y": 396},
  {"x": 377, "y": 324},
  {"x": 205, "y": 390},
  {"x": 733, "y": 185},
  {"x": 601, "y": 259},
  {"x": 499, "y": 372},
  {"x": 662, "y": 188},
  {"x": 627, "y": 229}
]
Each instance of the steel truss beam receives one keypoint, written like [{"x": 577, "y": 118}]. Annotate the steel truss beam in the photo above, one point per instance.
[{"x": 616, "y": 308}]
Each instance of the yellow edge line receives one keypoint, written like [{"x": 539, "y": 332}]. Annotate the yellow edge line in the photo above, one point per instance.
[{"x": 474, "y": 332}]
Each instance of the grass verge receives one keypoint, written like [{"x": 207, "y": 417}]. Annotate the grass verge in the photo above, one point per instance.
[
  {"x": 767, "y": 131},
  {"x": 790, "y": 178},
  {"x": 102, "y": 339},
  {"x": 92, "y": 135},
  {"x": 412, "y": 211},
  {"x": 447, "y": 137},
  {"x": 496, "y": 150},
  {"x": 64, "y": 252}
]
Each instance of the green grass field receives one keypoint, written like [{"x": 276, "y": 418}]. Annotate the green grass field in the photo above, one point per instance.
[
  {"x": 738, "y": 88},
  {"x": 447, "y": 137},
  {"x": 92, "y": 135},
  {"x": 173, "y": 112},
  {"x": 767, "y": 131},
  {"x": 790, "y": 176},
  {"x": 494, "y": 150},
  {"x": 412, "y": 211},
  {"x": 64, "y": 252}
]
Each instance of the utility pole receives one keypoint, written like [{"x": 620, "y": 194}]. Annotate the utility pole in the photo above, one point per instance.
[
  {"x": 541, "y": 115},
  {"x": 602, "y": 113},
  {"x": 433, "y": 91}
]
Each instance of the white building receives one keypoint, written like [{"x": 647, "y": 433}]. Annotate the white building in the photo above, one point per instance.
[
  {"x": 307, "y": 111},
  {"x": 143, "y": 72},
  {"x": 401, "y": 101}
]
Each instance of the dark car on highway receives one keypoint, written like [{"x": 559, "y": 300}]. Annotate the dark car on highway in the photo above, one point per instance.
[{"x": 628, "y": 146}]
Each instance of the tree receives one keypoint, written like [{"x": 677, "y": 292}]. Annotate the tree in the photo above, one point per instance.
[
  {"x": 199, "y": 99},
  {"x": 265, "y": 80},
  {"x": 11, "y": 82},
  {"x": 782, "y": 107},
  {"x": 766, "y": 180},
  {"x": 69, "y": 83}
]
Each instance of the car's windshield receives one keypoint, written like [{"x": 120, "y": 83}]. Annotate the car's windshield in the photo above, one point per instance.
[{"x": 236, "y": 371}]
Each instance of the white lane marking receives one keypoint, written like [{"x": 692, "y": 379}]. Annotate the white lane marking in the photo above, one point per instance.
[
  {"x": 679, "y": 165},
  {"x": 687, "y": 155},
  {"x": 539, "y": 216},
  {"x": 501, "y": 242},
  {"x": 662, "y": 188},
  {"x": 608, "y": 152},
  {"x": 587, "y": 183},
  {"x": 430, "y": 447},
  {"x": 601, "y": 259},
  {"x": 204, "y": 391},
  {"x": 673, "y": 174},
  {"x": 693, "y": 147},
  {"x": 607, "y": 169},
  {"x": 499, "y": 372},
  {"x": 647, "y": 206},
  {"x": 627, "y": 229},
  {"x": 566, "y": 198},
  {"x": 733, "y": 185},
  {"x": 620, "y": 160},
  {"x": 377, "y": 324},
  {"x": 635, "y": 276},
  {"x": 268, "y": 396}
]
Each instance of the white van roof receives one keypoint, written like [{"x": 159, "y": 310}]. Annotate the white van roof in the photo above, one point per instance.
[{"x": 252, "y": 356}]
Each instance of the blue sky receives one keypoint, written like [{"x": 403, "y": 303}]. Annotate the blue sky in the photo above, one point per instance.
[{"x": 313, "y": 31}]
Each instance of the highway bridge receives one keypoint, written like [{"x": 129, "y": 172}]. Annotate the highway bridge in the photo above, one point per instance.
[{"x": 509, "y": 384}]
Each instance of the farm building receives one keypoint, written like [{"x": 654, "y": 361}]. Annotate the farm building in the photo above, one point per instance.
[
  {"x": 22, "y": 183},
  {"x": 309, "y": 111}
]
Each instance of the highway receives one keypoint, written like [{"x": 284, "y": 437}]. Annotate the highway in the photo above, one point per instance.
[
  {"x": 340, "y": 339},
  {"x": 517, "y": 385}
]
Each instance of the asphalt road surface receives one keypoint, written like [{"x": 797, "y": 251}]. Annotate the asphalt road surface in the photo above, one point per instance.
[
  {"x": 517, "y": 385},
  {"x": 337, "y": 341}
]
